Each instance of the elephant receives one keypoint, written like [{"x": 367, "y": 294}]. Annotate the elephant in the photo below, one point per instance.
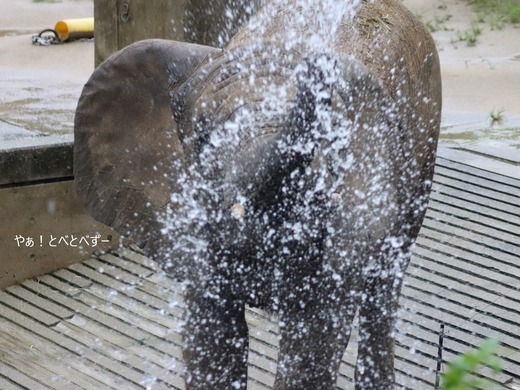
[{"x": 288, "y": 171}]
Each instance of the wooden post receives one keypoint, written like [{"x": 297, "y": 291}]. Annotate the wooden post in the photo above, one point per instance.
[{"x": 119, "y": 23}]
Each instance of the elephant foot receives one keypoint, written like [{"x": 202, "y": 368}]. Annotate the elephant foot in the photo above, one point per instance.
[{"x": 216, "y": 344}]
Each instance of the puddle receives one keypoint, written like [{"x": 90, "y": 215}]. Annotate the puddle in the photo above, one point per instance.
[
  {"x": 41, "y": 85},
  {"x": 47, "y": 107},
  {"x": 477, "y": 132},
  {"x": 44, "y": 121},
  {"x": 507, "y": 136},
  {"x": 14, "y": 33}
]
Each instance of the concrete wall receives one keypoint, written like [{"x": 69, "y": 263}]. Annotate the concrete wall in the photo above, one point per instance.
[{"x": 44, "y": 224}]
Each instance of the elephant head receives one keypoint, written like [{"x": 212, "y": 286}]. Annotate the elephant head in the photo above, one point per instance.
[
  {"x": 162, "y": 117},
  {"x": 272, "y": 175}
]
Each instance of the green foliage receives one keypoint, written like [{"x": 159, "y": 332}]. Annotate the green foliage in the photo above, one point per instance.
[
  {"x": 438, "y": 23},
  {"x": 470, "y": 35},
  {"x": 496, "y": 116},
  {"x": 513, "y": 12},
  {"x": 498, "y": 11},
  {"x": 461, "y": 372}
]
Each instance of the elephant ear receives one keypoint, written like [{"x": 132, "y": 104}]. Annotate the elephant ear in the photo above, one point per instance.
[{"x": 127, "y": 152}]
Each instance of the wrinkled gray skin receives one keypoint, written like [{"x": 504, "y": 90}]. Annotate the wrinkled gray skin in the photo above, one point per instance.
[{"x": 307, "y": 207}]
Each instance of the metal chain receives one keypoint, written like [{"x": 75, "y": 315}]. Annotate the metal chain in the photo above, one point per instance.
[{"x": 46, "y": 40}]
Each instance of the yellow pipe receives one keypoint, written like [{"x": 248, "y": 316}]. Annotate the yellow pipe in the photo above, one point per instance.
[{"x": 68, "y": 29}]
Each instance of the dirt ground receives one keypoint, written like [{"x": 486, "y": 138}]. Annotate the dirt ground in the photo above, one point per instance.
[{"x": 40, "y": 85}]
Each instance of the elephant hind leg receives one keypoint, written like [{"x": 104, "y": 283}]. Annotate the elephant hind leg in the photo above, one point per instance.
[{"x": 216, "y": 343}]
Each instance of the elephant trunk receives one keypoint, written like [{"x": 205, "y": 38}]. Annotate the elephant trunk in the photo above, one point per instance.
[
  {"x": 296, "y": 144},
  {"x": 277, "y": 162}
]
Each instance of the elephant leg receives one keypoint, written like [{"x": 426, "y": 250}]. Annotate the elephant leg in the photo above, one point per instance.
[
  {"x": 216, "y": 342},
  {"x": 377, "y": 316},
  {"x": 313, "y": 340}
]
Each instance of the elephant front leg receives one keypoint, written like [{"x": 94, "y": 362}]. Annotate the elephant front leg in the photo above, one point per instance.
[
  {"x": 313, "y": 340},
  {"x": 375, "y": 362},
  {"x": 216, "y": 343},
  {"x": 377, "y": 317}
]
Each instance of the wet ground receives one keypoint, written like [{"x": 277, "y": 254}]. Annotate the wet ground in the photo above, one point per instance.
[
  {"x": 478, "y": 80},
  {"x": 40, "y": 85}
]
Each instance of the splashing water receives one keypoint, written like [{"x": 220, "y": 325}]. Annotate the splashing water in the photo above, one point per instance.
[
  {"x": 299, "y": 184},
  {"x": 314, "y": 21}
]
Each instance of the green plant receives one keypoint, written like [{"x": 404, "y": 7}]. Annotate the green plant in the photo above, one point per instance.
[
  {"x": 506, "y": 10},
  {"x": 470, "y": 35},
  {"x": 460, "y": 374},
  {"x": 496, "y": 116},
  {"x": 442, "y": 5},
  {"x": 513, "y": 12},
  {"x": 481, "y": 17},
  {"x": 438, "y": 23}
]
